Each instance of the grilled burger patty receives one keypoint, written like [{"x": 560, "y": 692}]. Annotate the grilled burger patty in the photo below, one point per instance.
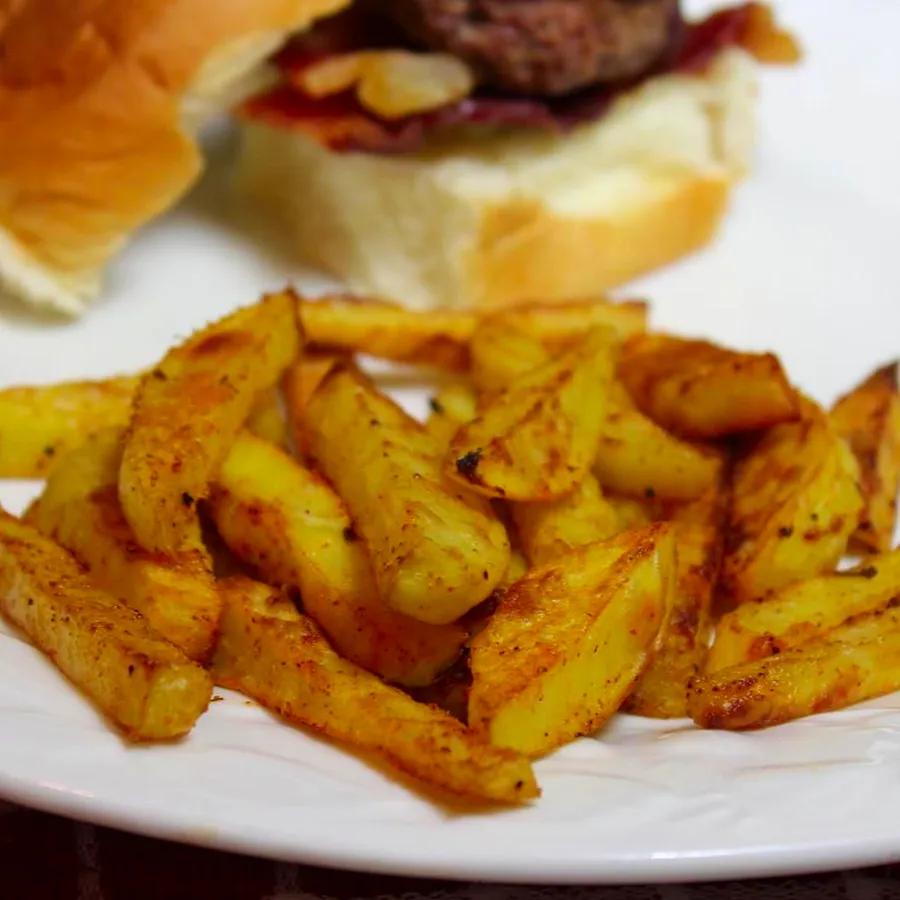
[{"x": 543, "y": 47}]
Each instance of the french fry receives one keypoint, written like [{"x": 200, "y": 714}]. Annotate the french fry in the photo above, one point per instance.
[
  {"x": 567, "y": 641},
  {"x": 288, "y": 523},
  {"x": 857, "y": 661},
  {"x": 557, "y": 325},
  {"x": 631, "y": 511},
  {"x": 637, "y": 457},
  {"x": 805, "y": 611},
  {"x": 188, "y": 410},
  {"x": 299, "y": 384},
  {"x": 661, "y": 692},
  {"x": 79, "y": 508},
  {"x": 502, "y": 352},
  {"x": 436, "y": 338},
  {"x": 453, "y": 405},
  {"x": 700, "y": 390},
  {"x": 547, "y": 530},
  {"x": 277, "y": 656},
  {"x": 141, "y": 682},
  {"x": 537, "y": 439},
  {"x": 795, "y": 503},
  {"x": 39, "y": 424},
  {"x": 868, "y": 418},
  {"x": 437, "y": 551},
  {"x": 266, "y": 419}
]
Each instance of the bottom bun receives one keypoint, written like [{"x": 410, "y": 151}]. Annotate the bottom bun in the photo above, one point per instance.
[{"x": 484, "y": 219}]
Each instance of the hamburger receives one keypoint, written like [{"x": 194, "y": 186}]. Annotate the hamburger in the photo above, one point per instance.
[{"x": 438, "y": 152}]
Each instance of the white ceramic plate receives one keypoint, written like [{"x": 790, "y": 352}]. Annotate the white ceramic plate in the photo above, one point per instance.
[{"x": 807, "y": 266}]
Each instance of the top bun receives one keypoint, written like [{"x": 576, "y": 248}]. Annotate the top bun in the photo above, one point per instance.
[{"x": 99, "y": 102}]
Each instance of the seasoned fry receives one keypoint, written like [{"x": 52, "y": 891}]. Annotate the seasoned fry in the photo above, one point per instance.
[
  {"x": 804, "y": 611},
  {"x": 537, "y": 439},
  {"x": 795, "y": 503},
  {"x": 502, "y": 352},
  {"x": 299, "y": 384},
  {"x": 661, "y": 692},
  {"x": 700, "y": 390},
  {"x": 436, "y": 338},
  {"x": 631, "y": 511},
  {"x": 79, "y": 509},
  {"x": 859, "y": 660},
  {"x": 637, "y": 457},
  {"x": 188, "y": 410},
  {"x": 566, "y": 642},
  {"x": 274, "y": 654},
  {"x": 286, "y": 521},
  {"x": 547, "y": 530},
  {"x": 144, "y": 684},
  {"x": 266, "y": 419},
  {"x": 39, "y": 424},
  {"x": 557, "y": 325},
  {"x": 868, "y": 418},
  {"x": 436, "y": 551},
  {"x": 452, "y": 406}
]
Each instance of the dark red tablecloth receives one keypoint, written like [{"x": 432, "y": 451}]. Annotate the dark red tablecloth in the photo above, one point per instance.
[{"x": 44, "y": 857}]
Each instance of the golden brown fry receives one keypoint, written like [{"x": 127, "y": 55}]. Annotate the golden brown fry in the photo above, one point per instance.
[
  {"x": 274, "y": 654},
  {"x": 502, "y": 352},
  {"x": 558, "y": 325},
  {"x": 299, "y": 384},
  {"x": 631, "y": 511},
  {"x": 188, "y": 410},
  {"x": 804, "y": 611},
  {"x": 857, "y": 661},
  {"x": 868, "y": 418},
  {"x": 436, "y": 338},
  {"x": 795, "y": 503},
  {"x": 79, "y": 508},
  {"x": 661, "y": 692},
  {"x": 700, "y": 390},
  {"x": 637, "y": 457},
  {"x": 537, "y": 439},
  {"x": 144, "y": 684},
  {"x": 452, "y": 406},
  {"x": 437, "y": 551},
  {"x": 39, "y": 424},
  {"x": 288, "y": 523},
  {"x": 566, "y": 642},
  {"x": 547, "y": 530},
  {"x": 266, "y": 419}
]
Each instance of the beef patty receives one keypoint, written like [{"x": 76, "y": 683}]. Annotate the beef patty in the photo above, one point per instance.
[{"x": 543, "y": 47}]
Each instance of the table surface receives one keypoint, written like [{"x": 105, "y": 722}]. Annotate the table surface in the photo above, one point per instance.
[{"x": 44, "y": 857}]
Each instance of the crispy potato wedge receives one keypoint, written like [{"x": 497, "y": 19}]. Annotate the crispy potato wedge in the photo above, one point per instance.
[
  {"x": 557, "y": 325},
  {"x": 661, "y": 692},
  {"x": 144, "y": 684},
  {"x": 567, "y": 641},
  {"x": 437, "y": 551},
  {"x": 299, "y": 384},
  {"x": 700, "y": 390},
  {"x": 502, "y": 352},
  {"x": 434, "y": 338},
  {"x": 637, "y": 457},
  {"x": 267, "y": 420},
  {"x": 804, "y": 611},
  {"x": 79, "y": 508},
  {"x": 858, "y": 660},
  {"x": 868, "y": 418},
  {"x": 288, "y": 523},
  {"x": 548, "y": 530},
  {"x": 537, "y": 439},
  {"x": 632, "y": 512},
  {"x": 453, "y": 405},
  {"x": 188, "y": 410},
  {"x": 795, "y": 503},
  {"x": 277, "y": 656},
  {"x": 39, "y": 424}
]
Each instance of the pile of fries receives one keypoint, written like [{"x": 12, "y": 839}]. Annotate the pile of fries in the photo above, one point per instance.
[{"x": 592, "y": 518}]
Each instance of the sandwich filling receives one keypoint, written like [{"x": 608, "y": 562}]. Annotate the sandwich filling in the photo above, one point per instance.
[{"x": 391, "y": 76}]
